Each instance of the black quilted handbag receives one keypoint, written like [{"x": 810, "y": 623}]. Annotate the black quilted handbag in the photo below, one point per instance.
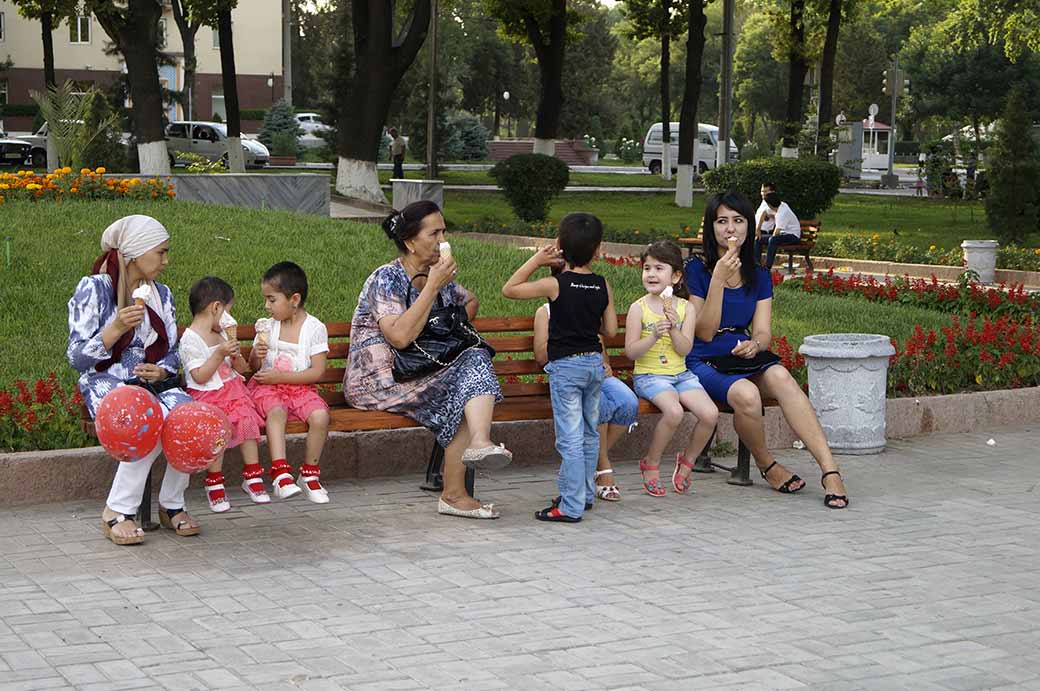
[{"x": 446, "y": 336}]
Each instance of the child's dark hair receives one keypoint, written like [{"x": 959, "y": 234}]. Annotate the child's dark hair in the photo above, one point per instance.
[
  {"x": 206, "y": 291},
  {"x": 771, "y": 185},
  {"x": 668, "y": 252},
  {"x": 748, "y": 255},
  {"x": 405, "y": 224},
  {"x": 580, "y": 237},
  {"x": 772, "y": 199},
  {"x": 287, "y": 278}
]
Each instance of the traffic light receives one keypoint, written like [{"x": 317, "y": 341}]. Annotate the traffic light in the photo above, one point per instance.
[
  {"x": 906, "y": 86},
  {"x": 884, "y": 82}
]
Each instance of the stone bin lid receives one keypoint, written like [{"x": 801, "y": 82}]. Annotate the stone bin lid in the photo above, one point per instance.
[{"x": 848, "y": 346}]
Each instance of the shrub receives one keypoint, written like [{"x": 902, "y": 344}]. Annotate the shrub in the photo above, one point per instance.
[
  {"x": 42, "y": 415},
  {"x": 1013, "y": 201},
  {"x": 14, "y": 110},
  {"x": 529, "y": 182},
  {"x": 471, "y": 135},
  {"x": 252, "y": 113},
  {"x": 283, "y": 144},
  {"x": 907, "y": 148},
  {"x": 280, "y": 118},
  {"x": 629, "y": 150},
  {"x": 807, "y": 185}
]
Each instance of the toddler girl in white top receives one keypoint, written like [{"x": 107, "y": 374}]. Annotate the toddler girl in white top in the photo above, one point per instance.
[
  {"x": 290, "y": 352},
  {"x": 212, "y": 371}
]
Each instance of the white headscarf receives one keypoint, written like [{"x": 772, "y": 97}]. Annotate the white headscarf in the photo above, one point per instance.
[{"x": 131, "y": 237}]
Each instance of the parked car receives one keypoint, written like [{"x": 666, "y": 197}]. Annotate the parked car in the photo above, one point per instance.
[
  {"x": 311, "y": 123},
  {"x": 704, "y": 149},
  {"x": 209, "y": 139},
  {"x": 38, "y": 142},
  {"x": 14, "y": 152}
]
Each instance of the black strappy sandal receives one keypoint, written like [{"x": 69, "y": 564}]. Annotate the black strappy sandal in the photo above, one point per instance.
[
  {"x": 183, "y": 528},
  {"x": 136, "y": 538},
  {"x": 829, "y": 499},
  {"x": 786, "y": 487}
]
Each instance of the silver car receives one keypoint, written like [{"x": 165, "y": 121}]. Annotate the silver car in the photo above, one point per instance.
[
  {"x": 209, "y": 140},
  {"x": 14, "y": 152}
]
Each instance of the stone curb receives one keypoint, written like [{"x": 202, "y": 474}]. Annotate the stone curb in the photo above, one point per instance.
[{"x": 36, "y": 477}]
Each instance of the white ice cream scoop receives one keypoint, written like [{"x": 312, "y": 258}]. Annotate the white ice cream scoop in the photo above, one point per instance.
[
  {"x": 141, "y": 294},
  {"x": 445, "y": 249},
  {"x": 667, "y": 293},
  {"x": 263, "y": 328},
  {"x": 227, "y": 320}
]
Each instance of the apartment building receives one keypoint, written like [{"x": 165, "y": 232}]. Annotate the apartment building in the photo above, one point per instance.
[{"x": 80, "y": 54}]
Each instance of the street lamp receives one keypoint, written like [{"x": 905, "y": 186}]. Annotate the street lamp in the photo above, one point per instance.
[
  {"x": 505, "y": 97},
  {"x": 270, "y": 84}
]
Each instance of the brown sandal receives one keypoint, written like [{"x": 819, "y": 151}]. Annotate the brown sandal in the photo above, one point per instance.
[
  {"x": 184, "y": 528},
  {"x": 135, "y": 539}
]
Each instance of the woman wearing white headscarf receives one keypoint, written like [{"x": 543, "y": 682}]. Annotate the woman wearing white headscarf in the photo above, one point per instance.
[{"x": 112, "y": 340}]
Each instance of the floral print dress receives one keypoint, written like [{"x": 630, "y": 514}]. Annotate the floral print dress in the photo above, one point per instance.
[
  {"x": 436, "y": 401},
  {"x": 91, "y": 309}
]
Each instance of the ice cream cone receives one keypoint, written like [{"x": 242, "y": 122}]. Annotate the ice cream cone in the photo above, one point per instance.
[
  {"x": 141, "y": 294},
  {"x": 445, "y": 249},
  {"x": 231, "y": 332}
]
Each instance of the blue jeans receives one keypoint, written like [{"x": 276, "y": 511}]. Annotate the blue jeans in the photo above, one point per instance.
[
  {"x": 772, "y": 244},
  {"x": 575, "y": 383},
  {"x": 618, "y": 405}
]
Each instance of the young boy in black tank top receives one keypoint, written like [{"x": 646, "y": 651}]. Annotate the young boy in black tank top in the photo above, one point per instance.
[{"x": 582, "y": 308}]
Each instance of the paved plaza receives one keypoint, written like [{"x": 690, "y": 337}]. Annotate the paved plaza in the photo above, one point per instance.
[{"x": 931, "y": 580}]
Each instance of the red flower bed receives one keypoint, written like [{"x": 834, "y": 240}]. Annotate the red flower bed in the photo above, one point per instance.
[
  {"x": 964, "y": 297},
  {"x": 42, "y": 415}
]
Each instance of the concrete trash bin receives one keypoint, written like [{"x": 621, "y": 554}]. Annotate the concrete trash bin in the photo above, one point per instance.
[
  {"x": 981, "y": 256},
  {"x": 848, "y": 376}
]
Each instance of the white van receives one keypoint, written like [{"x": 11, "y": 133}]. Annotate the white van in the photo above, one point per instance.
[{"x": 704, "y": 151}]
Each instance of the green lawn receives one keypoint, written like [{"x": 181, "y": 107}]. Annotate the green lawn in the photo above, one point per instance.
[
  {"x": 53, "y": 246},
  {"x": 481, "y": 177},
  {"x": 920, "y": 222}
]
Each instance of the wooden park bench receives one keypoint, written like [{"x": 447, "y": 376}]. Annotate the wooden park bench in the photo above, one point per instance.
[
  {"x": 810, "y": 230},
  {"x": 525, "y": 397}
]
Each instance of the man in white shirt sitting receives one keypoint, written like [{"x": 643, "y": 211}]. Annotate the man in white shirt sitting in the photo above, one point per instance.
[{"x": 777, "y": 226}]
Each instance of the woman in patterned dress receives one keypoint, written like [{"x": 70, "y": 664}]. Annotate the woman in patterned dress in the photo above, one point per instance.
[
  {"x": 456, "y": 403},
  {"x": 112, "y": 340}
]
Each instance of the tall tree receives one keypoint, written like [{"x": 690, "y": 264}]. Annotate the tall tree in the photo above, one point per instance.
[
  {"x": 688, "y": 127},
  {"x": 797, "y": 67},
  {"x": 827, "y": 62},
  {"x": 370, "y": 67},
  {"x": 758, "y": 77},
  {"x": 189, "y": 16},
  {"x": 133, "y": 26},
  {"x": 236, "y": 158},
  {"x": 542, "y": 24},
  {"x": 662, "y": 19},
  {"x": 50, "y": 13}
]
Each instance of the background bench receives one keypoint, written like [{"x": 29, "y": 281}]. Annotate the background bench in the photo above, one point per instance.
[{"x": 810, "y": 230}]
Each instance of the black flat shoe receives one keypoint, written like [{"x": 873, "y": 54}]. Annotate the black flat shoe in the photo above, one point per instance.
[
  {"x": 786, "y": 487},
  {"x": 556, "y": 502},
  {"x": 830, "y": 500}
]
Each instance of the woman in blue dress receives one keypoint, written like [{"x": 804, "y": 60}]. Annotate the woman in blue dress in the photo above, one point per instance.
[
  {"x": 112, "y": 340},
  {"x": 734, "y": 300}
]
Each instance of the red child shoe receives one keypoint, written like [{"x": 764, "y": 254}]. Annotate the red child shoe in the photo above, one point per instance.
[
  {"x": 310, "y": 483},
  {"x": 218, "y": 502},
  {"x": 253, "y": 484},
  {"x": 281, "y": 478}
]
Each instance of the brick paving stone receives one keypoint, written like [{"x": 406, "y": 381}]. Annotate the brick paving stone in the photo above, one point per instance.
[{"x": 928, "y": 582}]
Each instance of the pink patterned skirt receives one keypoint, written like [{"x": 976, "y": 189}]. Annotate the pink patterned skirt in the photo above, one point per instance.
[{"x": 235, "y": 401}]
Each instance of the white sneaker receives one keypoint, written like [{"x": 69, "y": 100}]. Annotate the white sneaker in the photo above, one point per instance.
[
  {"x": 319, "y": 495},
  {"x": 254, "y": 488},
  {"x": 285, "y": 491}
]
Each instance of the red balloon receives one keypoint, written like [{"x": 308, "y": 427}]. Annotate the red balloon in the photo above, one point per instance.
[
  {"x": 194, "y": 435},
  {"x": 129, "y": 422}
]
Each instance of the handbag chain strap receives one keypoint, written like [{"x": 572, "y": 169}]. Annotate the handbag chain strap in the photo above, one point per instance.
[{"x": 480, "y": 341}]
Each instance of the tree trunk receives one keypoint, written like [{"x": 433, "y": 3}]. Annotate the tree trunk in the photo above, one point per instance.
[
  {"x": 236, "y": 159},
  {"x": 830, "y": 52},
  {"x": 796, "y": 80},
  {"x": 47, "y": 27},
  {"x": 377, "y": 64},
  {"x": 135, "y": 31},
  {"x": 696, "y": 21},
  {"x": 498, "y": 116},
  {"x": 550, "y": 55},
  {"x": 975, "y": 125},
  {"x": 666, "y": 95},
  {"x": 187, "y": 31}
]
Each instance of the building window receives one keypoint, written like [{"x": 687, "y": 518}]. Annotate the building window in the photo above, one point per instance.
[
  {"x": 218, "y": 106},
  {"x": 216, "y": 39},
  {"x": 162, "y": 32},
  {"x": 3, "y": 92},
  {"x": 79, "y": 29},
  {"x": 2, "y": 27}
]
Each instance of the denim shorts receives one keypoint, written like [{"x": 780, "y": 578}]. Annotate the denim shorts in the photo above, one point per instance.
[{"x": 650, "y": 385}]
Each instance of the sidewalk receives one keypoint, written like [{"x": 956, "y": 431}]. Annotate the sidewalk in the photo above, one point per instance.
[{"x": 928, "y": 581}]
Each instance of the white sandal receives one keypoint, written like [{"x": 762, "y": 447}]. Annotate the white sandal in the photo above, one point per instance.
[
  {"x": 607, "y": 492},
  {"x": 486, "y": 511}
]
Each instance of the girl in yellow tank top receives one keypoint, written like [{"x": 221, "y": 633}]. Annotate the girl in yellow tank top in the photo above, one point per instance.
[{"x": 658, "y": 336}]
